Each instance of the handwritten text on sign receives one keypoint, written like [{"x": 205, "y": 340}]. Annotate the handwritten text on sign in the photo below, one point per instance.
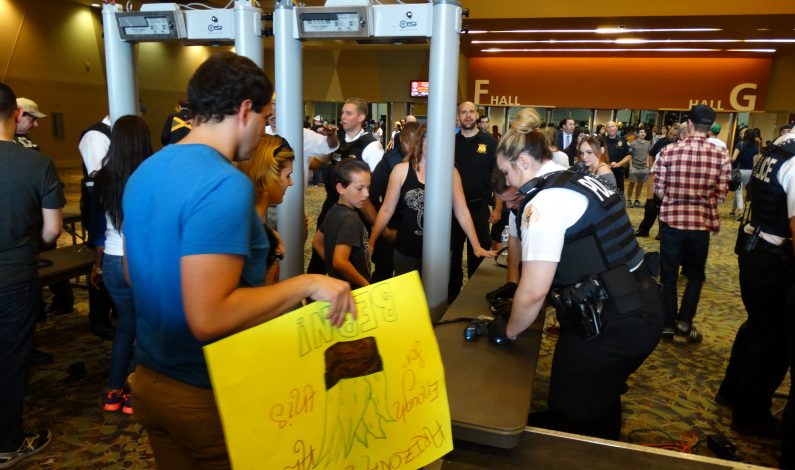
[{"x": 296, "y": 393}]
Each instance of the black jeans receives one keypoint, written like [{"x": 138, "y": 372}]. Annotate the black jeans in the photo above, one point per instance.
[
  {"x": 788, "y": 436},
  {"x": 758, "y": 360},
  {"x": 675, "y": 246},
  {"x": 19, "y": 308},
  {"x": 480, "y": 219}
]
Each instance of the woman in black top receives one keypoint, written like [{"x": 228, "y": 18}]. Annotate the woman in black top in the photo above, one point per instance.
[{"x": 406, "y": 194}]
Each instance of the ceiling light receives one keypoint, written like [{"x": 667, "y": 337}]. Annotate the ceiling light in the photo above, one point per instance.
[
  {"x": 600, "y": 41},
  {"x": 771, "y": 40},
  {"x": 767, "y": 51},
  {"x": 96, "y": 5},
  {"x": 653, "y": 30},
  {"x": 668, "y": 49},
  {"x": 597, "y": 31}
]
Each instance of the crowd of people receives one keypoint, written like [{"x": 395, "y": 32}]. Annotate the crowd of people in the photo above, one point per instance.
[{"x": 169, "y": 256}]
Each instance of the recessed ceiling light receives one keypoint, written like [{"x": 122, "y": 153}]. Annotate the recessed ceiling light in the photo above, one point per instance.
[
  {"x": 763, "y": 29},
  {"x": 96, "y": 5}
]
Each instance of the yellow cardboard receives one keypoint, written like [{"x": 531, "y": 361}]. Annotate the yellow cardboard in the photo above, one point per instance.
[{"x": 271, "y": 382}]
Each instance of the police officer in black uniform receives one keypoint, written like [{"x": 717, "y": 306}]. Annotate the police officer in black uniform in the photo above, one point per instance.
[
  {"x": 759, "y": 357},
  {"x": 578, "y": 251}
]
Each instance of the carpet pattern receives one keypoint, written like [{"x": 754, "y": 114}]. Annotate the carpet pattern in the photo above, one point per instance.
[{"x": 671, "y": 393}]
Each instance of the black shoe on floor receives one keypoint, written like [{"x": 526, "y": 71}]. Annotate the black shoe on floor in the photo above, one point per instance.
[
  {"x": 769, "y": 427},
  {"x": 638, "y": 233},
  {"x": 723, "y": 400},
  {"x": 104, "y": 331},
  {"x": 39, "y": 358}
]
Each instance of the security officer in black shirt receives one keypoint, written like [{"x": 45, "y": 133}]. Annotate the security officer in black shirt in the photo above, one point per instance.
[
  {"x": 578, "y": 251},
  {"x": 759, "y": 357},
  {"x": 618, "y": 153}
]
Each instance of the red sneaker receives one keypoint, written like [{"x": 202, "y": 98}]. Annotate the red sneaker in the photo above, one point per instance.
[
  {"x": 114, "y": 401},
  {"x": 127, "y": 408}
]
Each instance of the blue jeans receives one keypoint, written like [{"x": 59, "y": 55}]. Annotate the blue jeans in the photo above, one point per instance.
[
  {"x": 19, "y": 308},
  {"x": 120, "y": 292},
  {"x": 677, "y": 246}
]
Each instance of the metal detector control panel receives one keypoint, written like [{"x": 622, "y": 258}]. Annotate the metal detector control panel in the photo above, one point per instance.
[
  {"x": 333, "y": 22},
  {"x": 151, "y": 25}
]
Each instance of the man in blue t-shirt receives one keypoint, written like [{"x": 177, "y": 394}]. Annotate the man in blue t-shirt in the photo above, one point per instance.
[{"x": 196, "y": 255}]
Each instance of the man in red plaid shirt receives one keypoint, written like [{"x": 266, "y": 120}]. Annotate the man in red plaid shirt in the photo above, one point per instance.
[{"x": 691, "y": 177}]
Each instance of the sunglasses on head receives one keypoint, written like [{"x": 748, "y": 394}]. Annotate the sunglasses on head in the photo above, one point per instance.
[{"x": 284, "y": 145}]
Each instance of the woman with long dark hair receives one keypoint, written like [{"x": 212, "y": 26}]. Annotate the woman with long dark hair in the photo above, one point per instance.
[{"x": 130, "y": 144}]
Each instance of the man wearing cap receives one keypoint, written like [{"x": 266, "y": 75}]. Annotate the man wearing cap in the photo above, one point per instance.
[
  {"x": 63, "y": 300},
  {"x": 691, "y": 177},
  {"x": 28, "y": 120}
]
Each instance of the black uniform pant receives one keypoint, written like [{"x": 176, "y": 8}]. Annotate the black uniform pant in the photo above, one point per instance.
[
  {"x": 650, "y": 213},
  {"x": 480, "y": 219},
  {"x": 759, "y": 360},
  {"x": 788, "y": 435},
  {"x": 588, "y": 376},
  {"x": 619, "y": 174}
]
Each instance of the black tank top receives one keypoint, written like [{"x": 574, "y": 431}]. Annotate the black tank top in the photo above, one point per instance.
[{"x": 410, "y": 210}]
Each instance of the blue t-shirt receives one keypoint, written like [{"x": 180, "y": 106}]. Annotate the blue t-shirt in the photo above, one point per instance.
[{"x": 184, "y": 200}]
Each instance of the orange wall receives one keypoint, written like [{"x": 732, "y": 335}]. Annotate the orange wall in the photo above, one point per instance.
[{"x": 616, "y": 83}]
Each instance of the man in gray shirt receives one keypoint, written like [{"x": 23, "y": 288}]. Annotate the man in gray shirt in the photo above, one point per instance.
[{"x": 639, "y": 166}]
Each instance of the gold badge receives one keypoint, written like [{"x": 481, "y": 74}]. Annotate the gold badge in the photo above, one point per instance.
[
  {"x": 620, "y": 143},
  {"x": 481, "y": 148}
]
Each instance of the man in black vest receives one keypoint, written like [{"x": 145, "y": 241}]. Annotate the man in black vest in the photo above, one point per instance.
[
  {"x": 355, "y": 142},
  {"x": 94, "y": 144},
  {"x": 759, "y": 357}
]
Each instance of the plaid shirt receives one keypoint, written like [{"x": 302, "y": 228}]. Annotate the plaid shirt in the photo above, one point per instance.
[{"x": 692, "y": 177}]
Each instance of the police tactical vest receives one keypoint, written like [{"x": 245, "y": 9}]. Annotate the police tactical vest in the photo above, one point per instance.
[
  {"x": 601, "y": 239},
  {"x": 767, "y": 198}
]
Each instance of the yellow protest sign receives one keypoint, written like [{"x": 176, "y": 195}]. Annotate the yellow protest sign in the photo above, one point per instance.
[{"x": 296, "y": 393}]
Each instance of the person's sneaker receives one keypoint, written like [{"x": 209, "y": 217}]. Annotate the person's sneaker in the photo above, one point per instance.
[
  {"x": 113, "y": 401},
  {"x": 637, "y": 204},
  {"x": 691, "y": 334},
  {"x": 127, "y": 407},
  {"x": 668, "y": 334},
  {"x": 31, "y": 444}
]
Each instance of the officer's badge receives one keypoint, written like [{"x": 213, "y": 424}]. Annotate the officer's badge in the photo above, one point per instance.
[
  {"x": 530, "y": 215},
  {"x": 620, "y": 143},
  {"x": 481, "y": 148}
]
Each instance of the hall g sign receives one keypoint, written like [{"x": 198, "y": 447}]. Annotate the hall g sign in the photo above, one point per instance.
[{"x": 741, "y": 98}]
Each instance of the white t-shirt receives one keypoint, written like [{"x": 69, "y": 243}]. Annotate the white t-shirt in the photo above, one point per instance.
[
  {"x": 717, "y": 142},
  {"x": 546, "y": 218},
  {"x": 94, "y": 147},
  {"x": 114, "y": 244},
  {"x": 315, "y": 145},
  {"x": 560, "y": 158}
]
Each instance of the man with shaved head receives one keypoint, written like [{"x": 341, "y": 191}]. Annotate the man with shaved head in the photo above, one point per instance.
[
  {"x": 618, "y": 153},
  {"x": 475, "y": 160}
]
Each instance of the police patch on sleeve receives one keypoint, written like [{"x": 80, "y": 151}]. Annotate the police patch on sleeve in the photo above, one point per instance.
[{"x": 529, "y": 216}]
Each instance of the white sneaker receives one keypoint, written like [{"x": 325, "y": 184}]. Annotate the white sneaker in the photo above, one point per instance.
[{"x": 31, "y": 444}]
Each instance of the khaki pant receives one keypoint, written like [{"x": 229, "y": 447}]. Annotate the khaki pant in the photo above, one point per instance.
[{"x": 181, "y": 420}]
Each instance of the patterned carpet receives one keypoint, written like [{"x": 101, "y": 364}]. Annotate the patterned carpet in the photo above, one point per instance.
[{"x": 671, "y": 393}]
